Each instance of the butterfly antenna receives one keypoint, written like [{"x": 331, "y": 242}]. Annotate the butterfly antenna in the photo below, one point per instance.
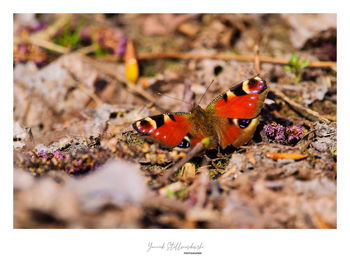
[
  {"x": 205, "y": 91},
  {"x": 173, "y": 97}
]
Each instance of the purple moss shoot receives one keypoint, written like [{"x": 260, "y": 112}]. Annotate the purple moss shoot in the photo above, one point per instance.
[
  {"x": 85, "y": 33},
  {"x": 37, "y": 27},
  {"x": 43, "y": 154},
  {"x": 295, "y": 133},
  {"x": 290, "y": 135},
  {"x": 298, "y": 131},
  {"x": 280, "y": 133},
  {"x": 120, "y": 49},
  {"x": 58, "y": 155},
  {"x": 269, "y": 131}
]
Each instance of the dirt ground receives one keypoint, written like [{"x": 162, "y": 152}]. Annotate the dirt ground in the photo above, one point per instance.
[{"x": 78, "y": 163}]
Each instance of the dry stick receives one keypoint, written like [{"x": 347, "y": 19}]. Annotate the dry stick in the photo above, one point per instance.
[
  {"x": 42, "y": 43},
  {"x": 91, "y": 94},
  {"x": 86, "y": 50},
  {"x": 197, "y": 149},
  {"x": 227, "y": 57},
  {"x": 257, "y": 59},
  {"x": 304, "y": 111},
  {"x": 310, "y": 135}
]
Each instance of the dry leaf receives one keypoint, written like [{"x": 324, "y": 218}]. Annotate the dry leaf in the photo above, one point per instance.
[{"x": 293, "y": 156}]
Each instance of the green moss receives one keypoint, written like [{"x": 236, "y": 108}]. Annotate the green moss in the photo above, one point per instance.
[
  {"x": 295, "y": 66},
  {"x": 71, "y": 38},
  {"x": 176, "y": 195},
  {"x": 99, "y": 51},
  {"x": 170, "y": 193}
]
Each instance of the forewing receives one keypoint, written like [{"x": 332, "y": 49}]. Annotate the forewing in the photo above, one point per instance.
[
  {"x": 169, "y": 129},
  {"x": 243, "y": 101}
]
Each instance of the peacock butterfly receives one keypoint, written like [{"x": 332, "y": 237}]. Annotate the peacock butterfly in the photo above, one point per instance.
[{"x": 230, "y": 119}]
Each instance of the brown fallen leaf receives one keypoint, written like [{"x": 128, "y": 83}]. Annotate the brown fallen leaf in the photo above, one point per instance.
[
  {"x": 188, "y": 171},
  {"x": 277, "y": 155},
  {"x": 188, "y": 29}
]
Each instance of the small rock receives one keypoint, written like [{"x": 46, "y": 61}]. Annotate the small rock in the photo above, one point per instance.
[
  {"x": 22, "y": 180},
  {"x": 321, "y": 147},
  {"x": 116, "y": 183}
]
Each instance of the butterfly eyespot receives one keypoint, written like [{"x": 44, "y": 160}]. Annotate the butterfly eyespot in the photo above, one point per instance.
[
  {"x": 185, "y": 143},
  {"x": 145, "y": 126},
  {"x": 244, "y": 123},
  {"x": 252, "y": 82},
  {"x": 144, "y": 123}
]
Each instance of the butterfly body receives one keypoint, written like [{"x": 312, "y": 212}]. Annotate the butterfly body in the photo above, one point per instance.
[{"x": 230, "y": 119}]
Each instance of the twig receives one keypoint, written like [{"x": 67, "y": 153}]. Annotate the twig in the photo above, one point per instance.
[
  {"x": 91, "y": 94},
  {"x": 87, "y": 50},
  {"x": 257, "y": 59},
  {"x": 304, "y": 111},
  {"x": 42, "y": 43},
  {"x": 199, "y": 147},
  {"x": 310, "y": 135},
  {"x": 227, "y": 57}
]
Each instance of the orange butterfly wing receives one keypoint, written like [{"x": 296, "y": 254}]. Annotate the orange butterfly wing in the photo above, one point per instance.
[
  {"x": 243, "y": 101},
  {"x": 170, "y": 129},
  {"x": 236, "y": 132},
  {"x": 236, "y": 112}
]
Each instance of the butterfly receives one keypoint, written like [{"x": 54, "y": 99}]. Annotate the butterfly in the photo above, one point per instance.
[{"x": 230, "y": 119}]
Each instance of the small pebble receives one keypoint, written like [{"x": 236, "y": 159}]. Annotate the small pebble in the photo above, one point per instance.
[{"x": 321, "y": 147}]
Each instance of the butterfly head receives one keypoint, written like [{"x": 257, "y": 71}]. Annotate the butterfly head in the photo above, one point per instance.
[
  {"x": 198, "y": 111},
  {"x": 254, "y": 85}
]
